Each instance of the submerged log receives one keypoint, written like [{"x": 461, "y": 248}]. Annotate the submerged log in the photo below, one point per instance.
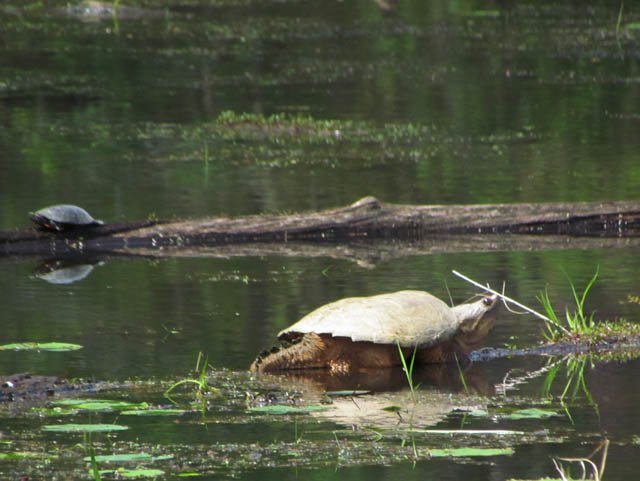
[{"x": 367, "y": 219}]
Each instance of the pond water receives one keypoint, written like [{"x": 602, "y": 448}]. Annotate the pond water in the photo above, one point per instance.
[{"x": 415, "y": 102}]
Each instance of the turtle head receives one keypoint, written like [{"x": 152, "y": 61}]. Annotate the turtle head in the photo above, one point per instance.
[{"x": 475, "y": 324}]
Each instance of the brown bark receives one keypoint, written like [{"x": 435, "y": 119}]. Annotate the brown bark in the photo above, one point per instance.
[{"x": 366, "y": 220}]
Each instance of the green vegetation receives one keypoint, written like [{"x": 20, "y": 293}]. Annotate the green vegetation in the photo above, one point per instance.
[
  {"x": 88, "y": 404},
  {"x": 201, "y": 384},
  {"x": 94, "y": 465},
  {"x": 40, "y": 346},
  {"x": 25, "y": 455},
  {"x": 464, "y": 452},
  {"x": 577, "y": 325},
  {"x": 65, "y": 407},
  {"x": 461, "y": 375},
  {"x": 408, "y": 370},
  {"x": 410, "y": 439},
  {"x": 530, "y": 413},
  {"x": 577, "y": 322},
  {"x": 575, "y": 381},
  {"x": 154, "y": 412},
  {"x": 123, "y": 473},
  {"x": 83, "y": 428},
  {"x": 117, "y": 458}
]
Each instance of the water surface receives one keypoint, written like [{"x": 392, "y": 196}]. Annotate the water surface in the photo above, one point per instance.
[{"x": 439, "y": 102}]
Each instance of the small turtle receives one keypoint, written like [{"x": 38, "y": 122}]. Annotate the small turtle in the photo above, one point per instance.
[
  {"x": 364, "y": 332},
  {"x": 63, "y": 217}
]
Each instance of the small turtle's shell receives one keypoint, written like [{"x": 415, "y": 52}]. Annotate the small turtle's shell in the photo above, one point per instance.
[
  {"x": 410, "y": 318},
  {"x": 59, "y": 217}
]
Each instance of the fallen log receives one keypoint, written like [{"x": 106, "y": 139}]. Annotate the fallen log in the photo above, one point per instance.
[{"x": 366, "y": 219}]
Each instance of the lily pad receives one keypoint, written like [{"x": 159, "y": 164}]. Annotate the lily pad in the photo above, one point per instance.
[
  {"x": 347, "y": 393},
  {"x": 531, "y": 413},
  {"x": 41, "y": 346},
  {"x": 133, "y": 473},
  {"x": 539, "y": 479},
  {"x": 25, "y": 455},
  {"x": 154, "y": 412},
  {"x": 469, "y": 452},
  {"x": 280, "y": 409},
  {"x": 99, "y": 404},
  {"x": 83, "y": 428},
  {"x": 483, "y": 432},
  {"x": 116, "y": 458},
  {"x": 392, "y": 409}
]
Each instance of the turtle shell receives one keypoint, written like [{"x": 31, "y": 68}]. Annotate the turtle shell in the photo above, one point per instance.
[
  {"x": 64, "y": 216},
  {"x": 410, "y": 318}
]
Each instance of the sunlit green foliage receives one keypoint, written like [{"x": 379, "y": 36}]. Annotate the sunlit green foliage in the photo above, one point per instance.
[{"x": 577, "y": 322}]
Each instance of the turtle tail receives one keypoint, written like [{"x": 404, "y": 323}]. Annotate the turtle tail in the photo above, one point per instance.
[{"x": 302, "y": 352}]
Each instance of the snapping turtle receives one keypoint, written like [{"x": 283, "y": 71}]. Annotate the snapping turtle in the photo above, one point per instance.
[
  {"x": 63, "y": 217},
  {"x": 364, "y": 332}
]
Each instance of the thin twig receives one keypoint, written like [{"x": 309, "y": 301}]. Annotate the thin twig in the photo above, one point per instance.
[
  {"x": 506, "y": 305},
  {"x": 559, "y": 469},
  {"x": 581, "y": 462},
  {"x": 508, "y": 299},
  {"x": 448, "y": 292}
]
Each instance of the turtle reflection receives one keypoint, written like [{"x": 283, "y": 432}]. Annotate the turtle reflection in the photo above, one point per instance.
[{"x": 64, "y": 271}]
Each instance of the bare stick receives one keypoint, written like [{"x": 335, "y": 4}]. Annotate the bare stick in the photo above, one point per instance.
[{"x": 516, "y": 303}]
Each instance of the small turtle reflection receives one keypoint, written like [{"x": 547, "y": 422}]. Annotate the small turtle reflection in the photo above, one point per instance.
[{"x": 64, "y": 271}]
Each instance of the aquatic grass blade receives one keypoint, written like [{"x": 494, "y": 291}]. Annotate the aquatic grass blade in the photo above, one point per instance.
[
  {"x": 548, "y": 380},
  {"x": 461, "y": 374},
  {"x": 553, "y": 327},
  {"x": 408, "y": 370},
  {"x": 94, "y": 465},
  {"x": 619, "y": 22},
  {"x": 579, "y": 322}
]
